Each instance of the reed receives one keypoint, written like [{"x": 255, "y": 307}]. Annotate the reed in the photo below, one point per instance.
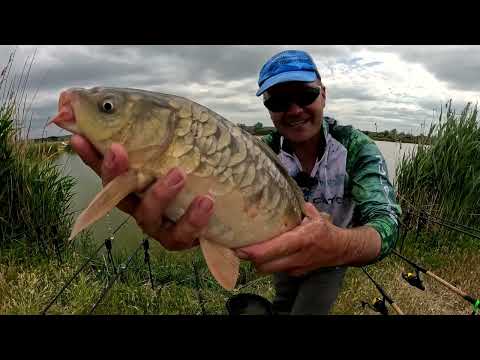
[
  {"x": 35, "y": 195},
  {"x": 442, "y": 178}
]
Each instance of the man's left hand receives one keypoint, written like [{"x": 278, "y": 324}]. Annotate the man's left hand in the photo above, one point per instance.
[{"x": 315, "y": 243}]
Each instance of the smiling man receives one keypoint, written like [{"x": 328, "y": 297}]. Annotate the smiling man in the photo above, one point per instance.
[{"x": 341, "y": 172}]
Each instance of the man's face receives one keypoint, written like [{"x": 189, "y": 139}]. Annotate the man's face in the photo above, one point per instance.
[{"x": 295, "y": 120}]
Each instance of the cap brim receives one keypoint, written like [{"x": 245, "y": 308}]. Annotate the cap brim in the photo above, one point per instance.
[{"x": 307, "y": 76}]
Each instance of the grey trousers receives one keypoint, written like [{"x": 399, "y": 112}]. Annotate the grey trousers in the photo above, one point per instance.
[{"x": 311, "y": 294}]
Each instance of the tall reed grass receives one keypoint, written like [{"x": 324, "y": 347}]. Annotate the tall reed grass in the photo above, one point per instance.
[
  {"x": 442, "y": 175},
  {"x": 35, "y": 195}
]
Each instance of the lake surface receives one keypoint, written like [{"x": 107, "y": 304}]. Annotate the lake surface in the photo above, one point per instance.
[{"x": 130, "y": 235}]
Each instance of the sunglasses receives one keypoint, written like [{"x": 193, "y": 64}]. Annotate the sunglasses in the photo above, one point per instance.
[{"x": 281, "y": 102}]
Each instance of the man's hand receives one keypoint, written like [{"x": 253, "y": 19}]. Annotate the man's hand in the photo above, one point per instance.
[
  {"x": 313, "y": 244},
  {"x": 148, "y": 210}
]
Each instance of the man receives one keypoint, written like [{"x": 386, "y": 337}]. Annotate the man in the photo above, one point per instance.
[{"x": 340, "y": 170}]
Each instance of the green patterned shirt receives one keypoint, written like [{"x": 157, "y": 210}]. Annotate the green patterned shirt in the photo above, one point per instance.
[{"x": 352, "y": 183}]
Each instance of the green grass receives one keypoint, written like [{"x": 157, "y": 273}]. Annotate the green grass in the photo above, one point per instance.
[{"x": 30, "y": 286}]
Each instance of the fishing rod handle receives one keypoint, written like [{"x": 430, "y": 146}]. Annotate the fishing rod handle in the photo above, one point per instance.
[
  {"x": 450, "y": 286},
  {"x": 397, "y": 309}
]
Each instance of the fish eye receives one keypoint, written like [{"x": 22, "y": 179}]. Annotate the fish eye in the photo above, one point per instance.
[{"x": 107, "y": 106}]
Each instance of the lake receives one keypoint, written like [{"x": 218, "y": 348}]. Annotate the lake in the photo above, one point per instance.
[{"x": 129, "y": 236}]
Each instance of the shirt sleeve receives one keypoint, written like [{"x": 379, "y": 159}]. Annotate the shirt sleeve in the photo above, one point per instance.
[{"x": 372, "y": 191}]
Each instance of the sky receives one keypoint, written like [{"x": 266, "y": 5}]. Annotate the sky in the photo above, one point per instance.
[{"x": 369, "y": 87}]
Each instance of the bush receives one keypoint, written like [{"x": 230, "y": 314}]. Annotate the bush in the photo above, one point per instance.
[{"x": 34, "y": 195}]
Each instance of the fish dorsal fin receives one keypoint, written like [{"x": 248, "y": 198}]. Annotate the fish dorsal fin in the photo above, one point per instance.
[
  {"x": 107, "y": 199},
  {"x": 222, "y": 262}
]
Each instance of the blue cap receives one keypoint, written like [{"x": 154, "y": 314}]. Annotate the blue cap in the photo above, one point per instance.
[{"x": 289, "y": 65}]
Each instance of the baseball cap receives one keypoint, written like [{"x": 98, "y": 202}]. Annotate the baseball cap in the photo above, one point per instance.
[{"x": 289, "y": 65}]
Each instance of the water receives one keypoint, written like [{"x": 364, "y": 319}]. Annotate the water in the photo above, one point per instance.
[
  {"x": 130, "y": 235},
  {"x": 88, "y": 185},
  {"x": 393, "y": 152}
]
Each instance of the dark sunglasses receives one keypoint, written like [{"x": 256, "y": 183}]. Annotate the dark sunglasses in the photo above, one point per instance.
[{"x": 281, "y": 102}]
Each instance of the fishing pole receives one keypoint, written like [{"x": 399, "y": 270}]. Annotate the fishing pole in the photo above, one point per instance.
[
  {"x": 123, "y": 268},
  {"x": 147, "y": 259},
  {"x": 415, "y": 280},
  {"x": 452, "y": 225},
  {"x": 379, "y": 304},
  {"x": 452, "y": 228},
  {"x": 70, "y": 280},
  {"x": 106, "y": 243}
]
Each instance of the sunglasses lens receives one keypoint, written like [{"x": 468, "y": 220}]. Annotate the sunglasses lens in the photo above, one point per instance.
[
  {"x": 307, "y": 97},
  {"x": 281, "y": 103},
  {"x": 277, "y": 104}
]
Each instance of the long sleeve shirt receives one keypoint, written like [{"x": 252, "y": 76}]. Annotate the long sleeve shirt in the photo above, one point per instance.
[{"x": 350, "y": 181}]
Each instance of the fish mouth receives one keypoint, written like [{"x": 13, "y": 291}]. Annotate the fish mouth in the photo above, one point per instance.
[{"x": 66, "y": 116}]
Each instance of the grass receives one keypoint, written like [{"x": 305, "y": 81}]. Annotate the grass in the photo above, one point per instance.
[
  {"x": 460, "y": 268},
  {"x": 43, "y": 150},
  {"x": 35, "y": 195},
  {"x": 27, "y": 288}
]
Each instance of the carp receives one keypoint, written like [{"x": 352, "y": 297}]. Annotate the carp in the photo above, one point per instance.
[{"x": 255, "y": 198}]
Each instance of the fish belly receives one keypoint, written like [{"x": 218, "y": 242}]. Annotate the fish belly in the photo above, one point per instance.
[{"x": 236, "y": 222}]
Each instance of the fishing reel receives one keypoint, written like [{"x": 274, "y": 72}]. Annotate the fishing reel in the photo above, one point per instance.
[
  {"x": 476, "y": 308},
  {"x": 414, "y": 279},
  {"x": 249, "y": 304},
  {"x": 378, "y": 306}
]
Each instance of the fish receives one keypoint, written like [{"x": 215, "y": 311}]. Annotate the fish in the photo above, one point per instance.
[{"x": 255, "y": 197}]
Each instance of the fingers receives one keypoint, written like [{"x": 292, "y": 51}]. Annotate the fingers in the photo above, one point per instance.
[
  {"x": 283, "y": 264},
  {"x": 280, "y": 246},
  {"x": 115, "y": 163},
  {"x": 311, "y": 211},
  {"x": 157, "y": 198},
  {"x": 185, "y": 233},
  {"x": 89, "y": 155}
]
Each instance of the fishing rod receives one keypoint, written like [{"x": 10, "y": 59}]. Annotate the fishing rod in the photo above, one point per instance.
[
  {"x": 476, "y": 236},
  {"x": 70, "y": 280},
  {"x": 416, "y": 281},
  {"x": 452, "y": 225},
  {"x": 107, "y": 243},
  {"x": 379, "y": 304},
  {"x": 123, "y": 267}
]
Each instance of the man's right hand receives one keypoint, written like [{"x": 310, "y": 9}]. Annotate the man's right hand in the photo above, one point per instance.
[{"x": 148, "y": 211}]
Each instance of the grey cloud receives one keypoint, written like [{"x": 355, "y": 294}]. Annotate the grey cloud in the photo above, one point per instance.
[
  {"x": 335, "y": 93},
  {"x": 457, "y": 65},
  {"x": 180, "y": 69}
]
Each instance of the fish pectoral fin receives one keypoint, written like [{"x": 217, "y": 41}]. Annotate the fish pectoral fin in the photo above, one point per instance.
[
  {"x": 106, "y": 200},
  {"x": 222, "y": 262}
]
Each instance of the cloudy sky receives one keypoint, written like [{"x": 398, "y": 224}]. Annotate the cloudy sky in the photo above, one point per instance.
[{"x": 394, "y": 86}]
